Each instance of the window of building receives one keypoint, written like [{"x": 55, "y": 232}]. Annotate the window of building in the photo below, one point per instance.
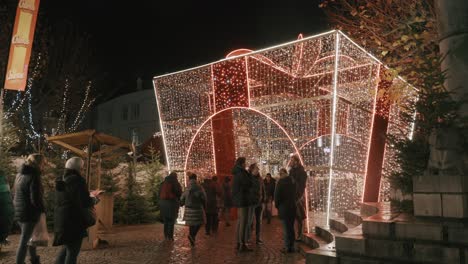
[
  {"x": 125, "y": 112},
  {"x": 135, "y": 112}
]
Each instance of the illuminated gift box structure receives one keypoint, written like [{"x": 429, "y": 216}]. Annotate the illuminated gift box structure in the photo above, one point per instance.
[{"x": 316, "y": 97}]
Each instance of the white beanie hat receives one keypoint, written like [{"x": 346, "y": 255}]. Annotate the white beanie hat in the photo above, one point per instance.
[{"x": 74, "y": 163}]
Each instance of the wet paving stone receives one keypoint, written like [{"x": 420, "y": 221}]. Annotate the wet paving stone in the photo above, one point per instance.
[{"x": 144, "y": 244}]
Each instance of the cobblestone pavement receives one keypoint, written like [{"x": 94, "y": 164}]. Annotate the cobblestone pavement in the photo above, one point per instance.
[{"x": 144, "y": 244}]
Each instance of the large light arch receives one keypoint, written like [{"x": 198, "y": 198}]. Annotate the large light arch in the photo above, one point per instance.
[{"x": 239, "y": 108}]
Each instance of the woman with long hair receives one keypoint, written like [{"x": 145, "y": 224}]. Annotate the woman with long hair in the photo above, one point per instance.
[{"x": 29, "y": 204}]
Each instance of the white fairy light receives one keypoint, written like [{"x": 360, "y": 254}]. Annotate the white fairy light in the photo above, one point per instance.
[{"x": 311, "y": 97}]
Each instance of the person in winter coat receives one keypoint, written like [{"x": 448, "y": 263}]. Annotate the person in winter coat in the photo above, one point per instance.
[
  {"x": 257, "y": 199},
  {"x": 219, "y": 195},
  {"x": 227, "y": 198},
  {"x": 241, "y": 188},
  {"x": 286, "y": 205},
  {"x": 194, "y": 200},
  {"x": 270, "y": 185},
  {"x": 299, "y": 176},
  {"x": 6, "y": 208},
  {"x": 72, "y": 198},
  {"x": 29, "y": 204},
  {"x": 211, "y": 207},
  {"x": 169, "y": 198}
]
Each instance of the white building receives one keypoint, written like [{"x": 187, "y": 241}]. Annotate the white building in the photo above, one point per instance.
[{"x": 132, "y": 116}]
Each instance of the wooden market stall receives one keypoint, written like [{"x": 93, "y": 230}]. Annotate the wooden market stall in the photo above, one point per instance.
[{"x": 94, "y": 147}]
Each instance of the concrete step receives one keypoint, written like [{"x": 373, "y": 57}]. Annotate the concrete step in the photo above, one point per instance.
[
  {"x": 321, "y": 256},
  {"x": 324, "y": 233},
  {"x": 353, "y": 218},
  {"x": 314, "y": 241},
  {"x": 338, "y": 225}
]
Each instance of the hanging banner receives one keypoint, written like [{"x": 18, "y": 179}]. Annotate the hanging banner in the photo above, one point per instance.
[{"x": 21, "y": 45}]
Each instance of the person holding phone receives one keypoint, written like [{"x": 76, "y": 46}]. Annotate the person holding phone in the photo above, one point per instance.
[{"x": 72, "y": 200}]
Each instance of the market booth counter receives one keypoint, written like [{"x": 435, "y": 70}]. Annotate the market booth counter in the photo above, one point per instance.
[{"x": 94, "y": 148}]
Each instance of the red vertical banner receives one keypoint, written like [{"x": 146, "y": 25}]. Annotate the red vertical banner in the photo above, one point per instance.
[{"x": 21, "y": 45}]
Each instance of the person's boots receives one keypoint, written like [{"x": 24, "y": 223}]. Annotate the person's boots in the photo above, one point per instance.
[{"x": 36, "y": 260}]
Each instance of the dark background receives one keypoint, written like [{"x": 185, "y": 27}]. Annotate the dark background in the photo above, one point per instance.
[{"x": 148, "y": 38}]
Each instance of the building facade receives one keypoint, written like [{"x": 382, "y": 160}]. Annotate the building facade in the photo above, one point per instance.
[{"x": 132, "y": 116}]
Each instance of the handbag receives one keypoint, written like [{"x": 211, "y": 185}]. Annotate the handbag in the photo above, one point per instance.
[
  {"x": 40, "y": 235},
  {"x": 89, "y": 216}
]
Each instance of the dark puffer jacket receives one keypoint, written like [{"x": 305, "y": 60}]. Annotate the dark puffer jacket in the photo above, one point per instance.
[
  {"x": 28, "y": 201},
  {"x": 241, "y": 187},
  {"x": 71, "y": 196}
]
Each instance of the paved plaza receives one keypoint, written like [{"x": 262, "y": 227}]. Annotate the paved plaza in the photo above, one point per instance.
[{"x": 144, "y": 244}]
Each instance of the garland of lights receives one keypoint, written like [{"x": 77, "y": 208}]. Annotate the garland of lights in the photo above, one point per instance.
[{"x": 316, "y": 96}]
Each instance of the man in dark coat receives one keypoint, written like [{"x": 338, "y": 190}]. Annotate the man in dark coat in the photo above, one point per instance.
[
  {"x": 169, "y": 199},
  {"x": 6, "y": 208},
  {"x": 29, "y": 204},
  {"x": 241, "y": 185},
  {"x": 211, "y": 207},
  {"x": 299, "y": 176},
  {"x": 257, "y": 199},
  {"x": 270, "y": 185},
  {"x": 72, "y": 198},
  {"x": 286, "y": 205}
]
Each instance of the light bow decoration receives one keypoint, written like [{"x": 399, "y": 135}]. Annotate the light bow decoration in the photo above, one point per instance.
[{"x": 315, "y": 97}]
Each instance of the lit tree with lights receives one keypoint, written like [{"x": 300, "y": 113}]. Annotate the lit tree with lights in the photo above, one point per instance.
[{"x": 60, "y": 85}]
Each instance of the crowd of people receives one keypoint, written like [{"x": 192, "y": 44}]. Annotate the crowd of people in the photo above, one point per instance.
[
  {"x": 204, "y": 203},
  {"x": 253, "y": 196}
]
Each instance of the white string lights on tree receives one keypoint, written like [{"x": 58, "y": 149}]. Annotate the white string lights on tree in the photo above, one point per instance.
[
  {"x": 293, "y": 98},
  {"x": 85, "y": 106}
]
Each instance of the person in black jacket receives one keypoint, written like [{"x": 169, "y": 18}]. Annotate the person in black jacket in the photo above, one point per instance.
[
  {"x": 258, "y": 197},
  {"x": 299, "y": 176},
  {"x": 29, "y": 204},
  {"x": 270, "y": 185},
  {"x": 241, "y": 185},
  {"x": 211, "y": 211},
  {"x": 71, "y": 199},
  {"x": 227, "y": 199},
  {"x": 286, "y": 204},
  {"x": 169, "y": 199}
]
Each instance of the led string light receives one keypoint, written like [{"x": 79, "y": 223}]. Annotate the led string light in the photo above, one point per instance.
[{"x": 297, "y": 93}]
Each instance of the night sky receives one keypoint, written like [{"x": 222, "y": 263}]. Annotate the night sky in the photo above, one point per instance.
[{"x": 148, "y": 38}]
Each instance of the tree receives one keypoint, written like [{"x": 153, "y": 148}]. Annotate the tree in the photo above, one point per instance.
[
  {"x": 60, "y": 88},
  {"x": 8, "y": 140},
  {"x": 153, "y": 170}
]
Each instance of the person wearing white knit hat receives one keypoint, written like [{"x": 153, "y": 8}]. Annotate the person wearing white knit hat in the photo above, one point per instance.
[
  {"x": 73, "y": 201},
  {"x": 74, "y": 163}
]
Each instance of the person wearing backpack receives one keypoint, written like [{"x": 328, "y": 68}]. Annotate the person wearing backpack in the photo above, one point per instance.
[
  {"x": 169, "y": 196},
  {"x": 194, "y": 200}
]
